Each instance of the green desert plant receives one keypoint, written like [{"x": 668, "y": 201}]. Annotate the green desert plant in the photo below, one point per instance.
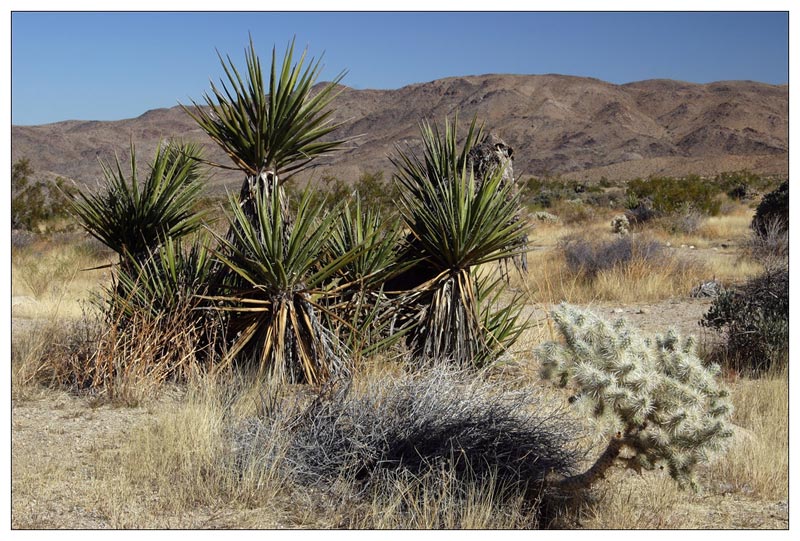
[
  {"x": 35, "y": 202},
  {"x": 173, "y": 276},
  {"x": 456, "y": 224},
  {"x": 754, "y": 320},
  {"x": 363, "y": 303},
  {"x": 773, "y": 208},
  {"x": 669, "y": 194},
  {"x": 655, "y": 398},
  {"x": 134, "y": 218},
  {"x": 269, "y": 131},
  {"x": 279, "y": 288}
]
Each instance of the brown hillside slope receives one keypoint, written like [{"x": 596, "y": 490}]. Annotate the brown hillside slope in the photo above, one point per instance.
[{"x": 577, "y": 127}]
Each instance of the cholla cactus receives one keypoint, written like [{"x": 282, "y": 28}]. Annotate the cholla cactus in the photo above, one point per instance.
[
  {"x": 620, "y": 225},
  {"x": 657, "y": 401}
]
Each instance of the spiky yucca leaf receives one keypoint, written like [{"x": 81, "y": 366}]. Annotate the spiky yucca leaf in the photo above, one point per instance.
[
  {"x": 459, "y": 224},
  {"x": 133, "y": 218},
  {"x": 443, "y": 159},
  {"x": 455, "y": 224},
  {"x": 174, "y": 276},
  {"x": 277, "y": 304},
  {"x": 362, "y": 227},
  {"x": 502, "y": 324},
  {"x": 277, "y": 128},
  {"x": 363, "y": 304}
]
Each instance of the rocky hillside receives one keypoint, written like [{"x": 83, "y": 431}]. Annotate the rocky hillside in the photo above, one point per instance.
[{"x": 576, "y": 127}]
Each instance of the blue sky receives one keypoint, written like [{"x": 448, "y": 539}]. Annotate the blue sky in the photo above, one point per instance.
[{"x": 108, "y": 66}]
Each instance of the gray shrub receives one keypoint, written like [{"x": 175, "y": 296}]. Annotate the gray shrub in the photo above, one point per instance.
[{"x": 436, "y": 419}]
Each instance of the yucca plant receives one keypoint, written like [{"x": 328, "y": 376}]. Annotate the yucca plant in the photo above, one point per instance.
[
  {"x": 134, "y": 217},
  {"x": 456, "y": 224},
  {"x": 173, "y": 276},
  {"x": 363, "y": 304},
  {"x": 278, "y": 295},
  {"x": 269, "y": 132}
]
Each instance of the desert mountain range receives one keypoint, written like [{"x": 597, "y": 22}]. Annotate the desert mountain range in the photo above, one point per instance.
[{"x": 575, "y": 127}]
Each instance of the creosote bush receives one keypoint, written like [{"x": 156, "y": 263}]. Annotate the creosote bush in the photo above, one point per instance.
[
  {"x": 754, "y": 321},
  {"x": 669, "y": 195},
  {"x": 37, "y": 204},
  {"x": 654, "y": 398},
  {"x": 773, "y": 208}
]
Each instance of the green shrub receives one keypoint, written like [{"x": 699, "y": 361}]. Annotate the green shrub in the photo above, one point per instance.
[
  {"x": 742, "y": 185},
  {"x": 754, "y": 320},
  {"x": 34, "y": 203},
  {"x": 773, "y": 208},
  {"x": 669, "y": 194}
]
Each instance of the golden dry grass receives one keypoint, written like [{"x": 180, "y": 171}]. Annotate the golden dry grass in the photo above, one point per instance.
[
  {"x": 758, "y": 464},
  {"x": 49, "y": 276},
  {"x": 550, "y": 281}
]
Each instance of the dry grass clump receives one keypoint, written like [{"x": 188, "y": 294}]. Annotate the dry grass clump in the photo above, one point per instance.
[
  {"x": 185, "y": 455},
  {"x": 433, "y": 450},
  {"x": 48, "y": 273},
  {"x": 629, "y": 269},
  {"x": 758, "y": 464},
  {"x": 125, "y": 364}
]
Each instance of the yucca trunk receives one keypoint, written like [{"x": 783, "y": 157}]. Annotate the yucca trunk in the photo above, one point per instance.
[
  {"x": 451, "y": 320},
  {"x": 265, "y": 182}
]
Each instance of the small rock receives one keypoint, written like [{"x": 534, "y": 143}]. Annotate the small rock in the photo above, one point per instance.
[
  {"x": 643, "y": 311},
  {"x": 683, "y": 246},
  {"x": 668, "y": 245},
  {"x": 691, "y": 247},
  {"x": 617, "y": 311}
]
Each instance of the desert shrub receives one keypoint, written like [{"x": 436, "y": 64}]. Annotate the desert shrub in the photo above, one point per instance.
[
  {"x": 754, "y": 321},
  {"x": 589, "y": 258},
  {"x": 773, "y": 209},
  {"x": 654, "y": 398},
  {"x": 639, "y": 210},
  {"x": 670, "y": 194},
  {"x": 686, "y": 220},
  {"x": 424, "y": 422},
  {"x": 742, "y": 185},
  {"x": 769, "y": 242},
  {"x": 573, "y": 211},
  {"x": 36, "y": 202}
]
